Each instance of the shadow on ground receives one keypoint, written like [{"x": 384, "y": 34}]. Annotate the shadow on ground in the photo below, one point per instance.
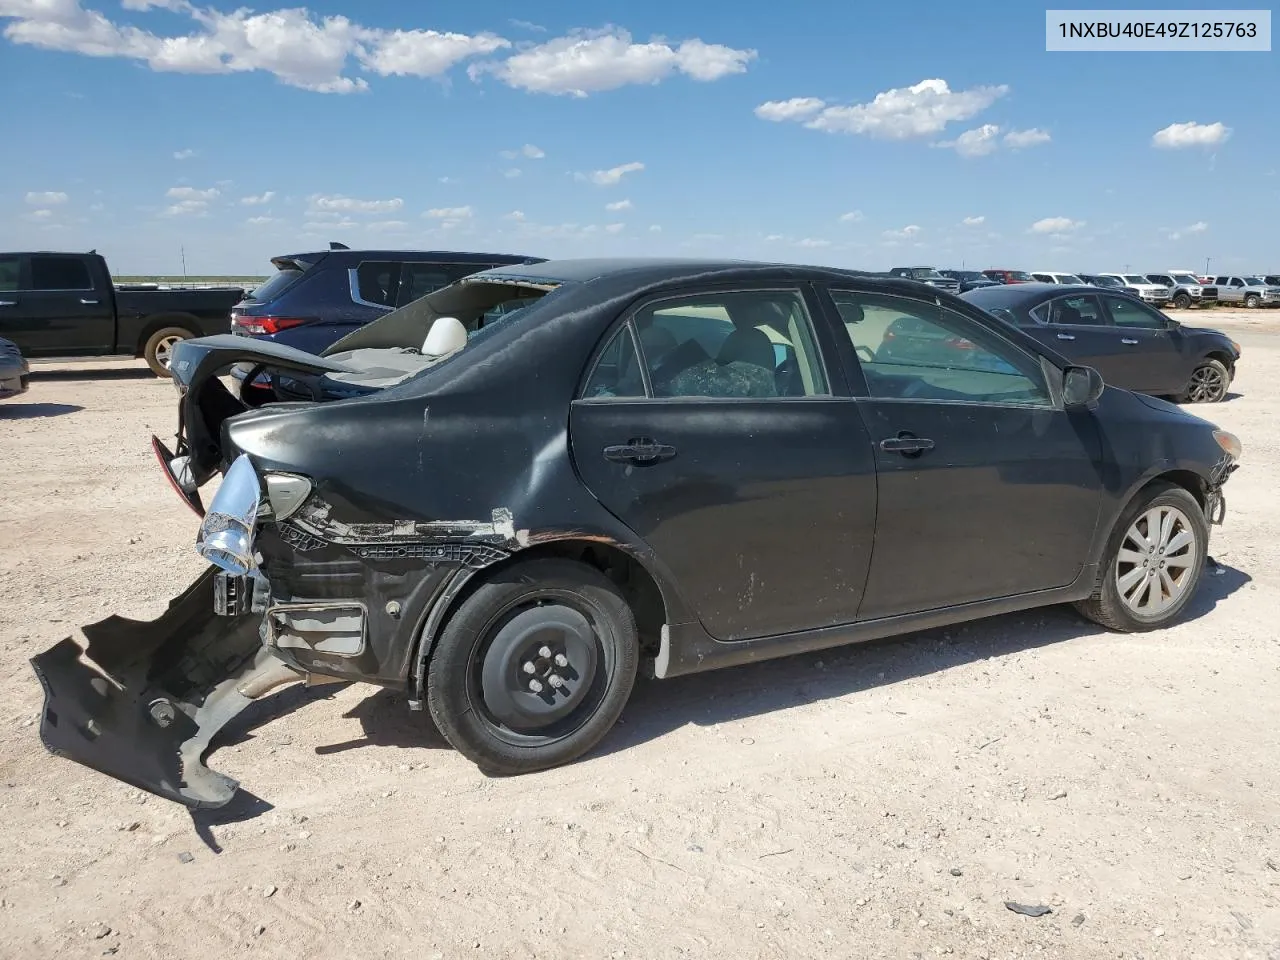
[
  {"x": 100, "y": 373},
  {"x": 36, "y": 411}
]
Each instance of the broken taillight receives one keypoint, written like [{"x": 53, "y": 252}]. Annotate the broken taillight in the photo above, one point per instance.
[{"x": 263, "y": 326}]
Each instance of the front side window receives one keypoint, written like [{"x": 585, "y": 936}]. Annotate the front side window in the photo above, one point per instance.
[
  {"x": 1128, "y": 312},
  {"x": 377, "y": 282},
  {"x": 1044, "y": 277},
  {"x": 59, "y": 273},
  {"x": 725, "y": 345},
  {"x": 8, "y": 274},
  {"x": 909, "y": 350}
]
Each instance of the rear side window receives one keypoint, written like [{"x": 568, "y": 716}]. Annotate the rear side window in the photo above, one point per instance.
[
  {"x": 1072, "y": 312},
  {"x": 8, "y": 274},
  {"x": 59, "y": 273},
  {"x": 419, "y": 279},
  {"x": 377, "y": 282},
  {"x": 617, "y": 370}
]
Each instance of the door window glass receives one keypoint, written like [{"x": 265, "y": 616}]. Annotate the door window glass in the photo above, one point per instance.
[
  {"x": 376, "y": 282},
  {"x": 617, "y": 370},
  {"x": 8, "y": 274},
  {"x": 1127, "y": 312},
  {"x": 419, "y": 279},
  {"x": 59, "y": 273},
  {"x": 1075, "y": 311},
  {"x": 910, "y": 350},
  {"x": 756, "y": 344}
]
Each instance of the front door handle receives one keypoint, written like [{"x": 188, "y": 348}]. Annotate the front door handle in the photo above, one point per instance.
[
  {"x": 1128, "y": 341},
  {"x": 89, "y": 303},
  {"x": 8, "y": 303},
  {"x": 906, "y": 444},
  {"x": 1066, "y": 336},
  {"x": 639, "y": 451}
]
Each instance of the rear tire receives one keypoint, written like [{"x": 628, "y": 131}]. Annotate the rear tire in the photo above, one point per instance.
[
  {"x": 1145, "y": 562},
  {"x": 160, "y": 345},
  {"x": 534, "y": 668}
]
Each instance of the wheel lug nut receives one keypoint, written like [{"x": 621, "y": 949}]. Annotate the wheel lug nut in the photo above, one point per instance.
[
  {"x": 528, "y": 667},
  {"x": 561, "y": 660},
  {"x": 544, "y": 651},
  {"x": 535, "y": 686},
  {"x": 555, "y": 681}
]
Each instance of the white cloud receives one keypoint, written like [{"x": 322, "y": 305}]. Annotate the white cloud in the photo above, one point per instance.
[
  {"x": 38, "y": 215},
  {"x": 191, "y": 193},
  {"x": 774, "y": 238},
  {"x": 258, "y": 221},
  {"x": 528, "y": 150},
  {"x": 606, "y": 178},
  {"x": 328, "y": 225},
  {"x": 618, "y": 205},
  {"x": 587, "y": 62},
  {"x": 853, "y": 216},
  {"x": 386, "y": 226},
  {"x": 187, "y": 208},
  {"x": 812, "y": 242},
  {"x": 42, "y": 198},
  {"x": 1021, "y": 139},
  {"x": 797, "y": 108},
  {"x": 258, "y": 200},
  {"x": 920, "y": 110},
  {"x": 906, "y": 233},
  {"x": 615, "y": 227},
  {"x": 974, "y": 221},
  {"x": 421, "y": 53},
  {"x": 527, "y": 25},
  {"x": 1198, "y": 227},
  {"x": 978, "y": 142},
  {"x": 184, "y": 154},
  {"x": 1054, "y": 225},
  {"x": 1178, "y": 136},
  {"x": 516, "y": 215},
  {"x": 512, "y": 173},
  {"x": 348, "y": 205},
  {"x": 655, "y": 228},
  {"x": 449, "y": 213}
]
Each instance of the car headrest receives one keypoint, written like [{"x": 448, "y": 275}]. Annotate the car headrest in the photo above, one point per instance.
[{"x": 447, "y": 335}]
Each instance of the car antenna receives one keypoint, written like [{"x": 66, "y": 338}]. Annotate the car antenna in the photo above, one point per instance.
[{"x": 334, "y": 245}]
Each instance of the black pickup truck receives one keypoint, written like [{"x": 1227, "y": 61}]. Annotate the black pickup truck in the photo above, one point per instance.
[{"x": 65, "y": 305}]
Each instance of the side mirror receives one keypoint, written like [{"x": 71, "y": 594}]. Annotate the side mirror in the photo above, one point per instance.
[{"x": 1081, "y": 387}]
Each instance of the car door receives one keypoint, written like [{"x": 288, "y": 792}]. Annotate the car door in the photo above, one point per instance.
[
  {"x": 752, "y": 481},
  {"x": 987, "y": 488},
  {"x": 1076, "y": 326},
  {"x": 56, "y": 311},
  {"x": 1153, "y": 355}
]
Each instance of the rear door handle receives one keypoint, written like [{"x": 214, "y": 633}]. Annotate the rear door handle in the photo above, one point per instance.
[
  {"x": 89, "y": 303},
  {"x": 8, "y": 303},
  {"x": 1128, "y": 341},
  {"x": 1066, "y": 336},
  {"x": 639, "y": 451},
  {"x": 906, "y": 445}
]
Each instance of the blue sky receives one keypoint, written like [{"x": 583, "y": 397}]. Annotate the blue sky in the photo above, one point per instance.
[{"x": 858, "y": 135}]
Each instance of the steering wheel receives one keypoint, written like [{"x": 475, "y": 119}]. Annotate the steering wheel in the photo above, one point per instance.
[{"x": 866, "y": 353}]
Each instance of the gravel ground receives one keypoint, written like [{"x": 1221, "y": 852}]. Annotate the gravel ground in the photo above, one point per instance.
[{"x": 878, "y": 801}]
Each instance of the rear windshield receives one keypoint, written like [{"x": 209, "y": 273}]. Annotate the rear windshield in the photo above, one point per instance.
[{"x": 276, "y": 285}]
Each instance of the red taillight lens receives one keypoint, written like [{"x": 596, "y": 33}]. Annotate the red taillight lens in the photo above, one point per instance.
[{"x": 259, "y": 326}]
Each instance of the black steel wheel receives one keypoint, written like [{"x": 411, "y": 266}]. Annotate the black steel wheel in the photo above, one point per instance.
[{"x": 534, "y": 667}]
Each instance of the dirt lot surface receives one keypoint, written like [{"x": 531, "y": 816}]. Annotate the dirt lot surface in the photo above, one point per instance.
[{"x": 877, "y": 801}]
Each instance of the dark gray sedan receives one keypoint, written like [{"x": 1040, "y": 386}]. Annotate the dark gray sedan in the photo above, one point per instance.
[
  {"x": 1131, "y": 344},
  {"x": 13, "y": 370}
]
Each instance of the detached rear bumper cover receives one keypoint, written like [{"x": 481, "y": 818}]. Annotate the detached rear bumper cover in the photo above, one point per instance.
[{"x": 151, "y": 696}]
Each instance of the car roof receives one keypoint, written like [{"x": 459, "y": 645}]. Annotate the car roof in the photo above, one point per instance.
[
  {"x": 440, "y": 256},
  {"x": 1023, "y": 295},
  {"x": 642, "y": 271}
]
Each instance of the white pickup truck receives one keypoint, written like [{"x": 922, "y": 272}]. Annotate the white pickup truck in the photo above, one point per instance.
[
  {"x": 1153, "y": 293},
  {"x": 1246, "y": 290}
]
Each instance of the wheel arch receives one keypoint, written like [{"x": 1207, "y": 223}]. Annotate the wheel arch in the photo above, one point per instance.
[
  {"x": 1167, "y": 474},
  {"x": 159, "y": 321},
  {"x": 651, "y": 600}
]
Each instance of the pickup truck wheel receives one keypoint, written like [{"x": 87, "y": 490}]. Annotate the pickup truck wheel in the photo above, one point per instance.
[
  {"x": 1209, "y": 382},
  {"x": 534, "y": 667},
  {"x": 1153, "y": 563},
  {"x": 1252, "y": 301},
  {"x": 1182, "y": 301},
  {"x": 160, "y": 347}
]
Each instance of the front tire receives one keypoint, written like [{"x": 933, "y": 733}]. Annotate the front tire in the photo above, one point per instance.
[
  {"x": 534, "y": 668},
  {"x": 1153, "y": 564},
  {"x": 160, "y": 345},
  {"x": 1210, "y": 381},
  {"x": 1252, "y": 301},
  {"x": 1182, "y": 301}
]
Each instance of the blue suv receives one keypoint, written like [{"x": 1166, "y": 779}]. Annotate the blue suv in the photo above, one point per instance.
[{"x": 316, "y": 299}]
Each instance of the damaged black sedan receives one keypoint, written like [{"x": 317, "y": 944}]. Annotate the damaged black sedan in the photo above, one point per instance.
[{"x": 510, "y": 496}]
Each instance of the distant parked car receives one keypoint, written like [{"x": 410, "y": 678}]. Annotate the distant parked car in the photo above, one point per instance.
[
  {"x": 1009, "y": 276},
  {"x": 927, "y": 275},
  {"x": 1246, "y": 291},
  {"x": 1051, "y": 276},
  {"x": 1153, "y": 293},
  {"x": 1131, "y": 344},
  {"x": 14, "y": 370},
  {"x": 65, "y": 305},
  {"x": 1187, "y": 289},
  {"x": 969, "y": 279}
]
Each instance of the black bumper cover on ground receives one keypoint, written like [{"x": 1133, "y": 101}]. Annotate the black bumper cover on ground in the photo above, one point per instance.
[{"x": 148, "y": 696}]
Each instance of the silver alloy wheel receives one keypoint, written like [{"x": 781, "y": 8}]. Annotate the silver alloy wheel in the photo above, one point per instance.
[
  {"x": 1156, "y": 561},
  {"x": 1208, "y": 384},
  {"x": 165, "y": 348}
]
